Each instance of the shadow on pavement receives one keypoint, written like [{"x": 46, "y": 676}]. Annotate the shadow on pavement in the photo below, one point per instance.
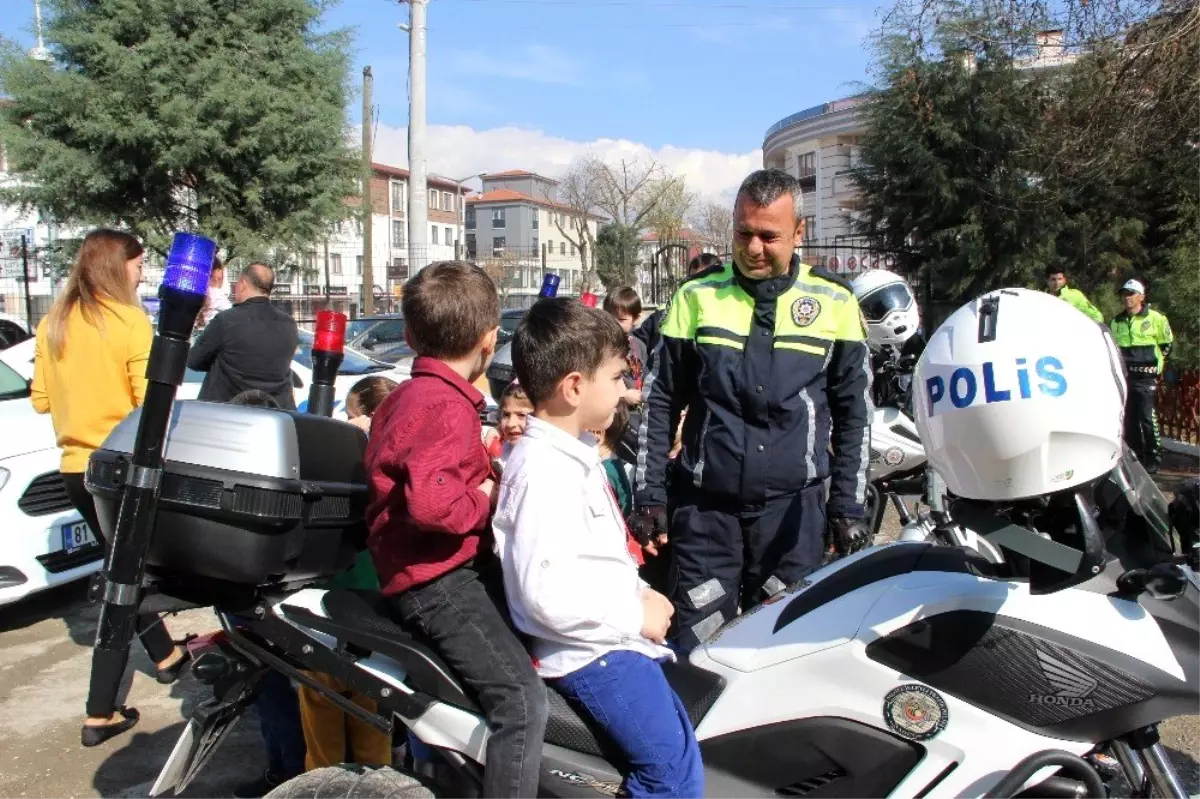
[{"x": 131, "y": 770}]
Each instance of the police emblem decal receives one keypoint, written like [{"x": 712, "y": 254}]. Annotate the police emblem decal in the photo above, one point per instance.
[
  {"x": 894, "y": 456},
  {"x": 805, "y": 310},
  {"x": 916, "y": 712}
]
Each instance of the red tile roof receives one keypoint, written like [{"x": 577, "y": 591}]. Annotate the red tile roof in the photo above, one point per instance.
[
  {"x": 397, "y": 172},
  {"x": 514, "y": 173},
  {"x": 510, "y": 196}
]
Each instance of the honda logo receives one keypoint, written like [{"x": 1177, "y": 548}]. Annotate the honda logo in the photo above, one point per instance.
[{"x": 1072, "y": 687}]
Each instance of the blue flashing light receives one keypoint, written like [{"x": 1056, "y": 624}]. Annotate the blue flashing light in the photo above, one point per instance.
[
  {"x": 189, "y": 263},
  {"x": 549, "y": 286}
]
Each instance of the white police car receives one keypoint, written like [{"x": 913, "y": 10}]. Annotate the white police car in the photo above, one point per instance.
[{"x": 44, "y": 542}]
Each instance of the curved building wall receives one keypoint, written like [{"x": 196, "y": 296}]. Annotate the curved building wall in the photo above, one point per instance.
[{"x": 820, "y": 147}]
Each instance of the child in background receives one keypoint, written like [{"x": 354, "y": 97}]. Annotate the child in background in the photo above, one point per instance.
[
  {"x": 331, "y": 735},
  {"x": 515, "y": 408},
  {"x": 572, "y": 585},
  {"x": 430, "y": 500},
  {"x": 365, "y": 397},
  {"x": 618, "y": 478},
  {"x": 624, "y": 305}
]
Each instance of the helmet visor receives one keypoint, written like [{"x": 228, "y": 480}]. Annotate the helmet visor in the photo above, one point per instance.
[{"x": 881, "y": 302}]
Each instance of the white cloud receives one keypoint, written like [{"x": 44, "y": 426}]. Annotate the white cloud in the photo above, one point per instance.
[{"x": 458, "y": 150}]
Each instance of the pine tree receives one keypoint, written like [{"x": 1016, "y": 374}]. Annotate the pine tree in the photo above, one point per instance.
[{"x": 223, "y": 116}]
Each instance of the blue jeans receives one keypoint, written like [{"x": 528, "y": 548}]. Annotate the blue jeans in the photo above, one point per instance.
[
  {"x": 628, "y": 696},
  {"x": 278, "y": 709}
]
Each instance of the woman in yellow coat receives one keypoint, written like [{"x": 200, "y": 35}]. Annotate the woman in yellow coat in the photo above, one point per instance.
[{"x": 89, "y": 373}]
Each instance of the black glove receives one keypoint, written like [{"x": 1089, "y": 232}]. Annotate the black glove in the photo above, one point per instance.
[
  {"x": 649, "y": 522},
  {"x": 849, "y": 535}
]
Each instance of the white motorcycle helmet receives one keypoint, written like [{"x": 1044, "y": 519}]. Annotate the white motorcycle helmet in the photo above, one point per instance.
[
  {"x": 1018, "y": 395},
  {"x": 888, "y": 306}
]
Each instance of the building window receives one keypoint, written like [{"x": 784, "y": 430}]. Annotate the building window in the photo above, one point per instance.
[
  {"x": 562, "y": 248},
  {"x": 310, "y": 262},
  {"x": 434, "y": 195},
  {"x": 471, "y": 251},
  {"x": 433, "y": 235},
  {"x": 806, "y": 165},
  {"x": 572, "y": 248},
  {"x": 810, "y": 228},
  {"x": 398, "y": 204},
  {"x": 498, "y": 217},
  {"x": 536, "y": 216},
  {"x": 335, "y": 263},
  {"x": 550, "y": 248},
  {"x": 399, "y": 233},
  {"x": 535, "y": 244},
  {"x": 449, "y": 235},
  {"x": 358, "y": 261},
  {"x": 497, "y": 246},
  {"x": 447, "y": 201},
  {"x": 470, "y": 217}
]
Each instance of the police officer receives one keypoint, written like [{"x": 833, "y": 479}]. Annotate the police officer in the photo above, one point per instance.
[
  {"x": 1056, "y": 284},
  {"x": 1144, "y": 338},
  {"x": 769, "y": 357}
]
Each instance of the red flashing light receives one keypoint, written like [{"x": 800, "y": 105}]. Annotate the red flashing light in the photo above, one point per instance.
[{"x": 331, "y": 332}]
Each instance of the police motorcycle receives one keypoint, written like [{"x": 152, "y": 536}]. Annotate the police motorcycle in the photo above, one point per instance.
[
  {"x": 905, "y": 670},
  {"x": 898, "y": 463}
]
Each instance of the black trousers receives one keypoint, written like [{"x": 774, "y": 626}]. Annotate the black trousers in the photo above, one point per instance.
[
  {"x": 155, "y": 638},
  {"x": 1141, "y": 420},
  {"x": 726, "y": 556},
  {"x": 465, "y": 613}
]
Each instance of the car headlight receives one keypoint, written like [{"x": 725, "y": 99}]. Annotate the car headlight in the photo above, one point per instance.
[{"x": 3, "y": 476}]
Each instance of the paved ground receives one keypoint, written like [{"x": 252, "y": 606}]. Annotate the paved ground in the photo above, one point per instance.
[{"x": 44, "y": 664}]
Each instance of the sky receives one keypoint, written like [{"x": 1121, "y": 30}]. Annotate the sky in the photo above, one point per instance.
[{"x": 536, "y": 84}]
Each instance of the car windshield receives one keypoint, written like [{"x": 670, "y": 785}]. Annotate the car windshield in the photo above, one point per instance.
[
  {"x": 353, "y": 362},
  {"x": 356, "y": 327},
  {"x": 12, "y": 385}
]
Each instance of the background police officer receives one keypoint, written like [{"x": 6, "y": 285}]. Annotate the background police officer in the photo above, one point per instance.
[
  {"x": 770, "y": 358},
  {"x": 1144, "y": 338},
  {"x": 1056, "y": 284}
]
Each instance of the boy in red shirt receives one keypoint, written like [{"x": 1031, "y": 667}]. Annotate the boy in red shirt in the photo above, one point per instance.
[{"x": 431, "y": 496}]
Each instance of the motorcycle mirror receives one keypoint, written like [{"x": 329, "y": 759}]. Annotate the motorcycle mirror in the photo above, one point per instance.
[{"x": 1163, "y": 581}]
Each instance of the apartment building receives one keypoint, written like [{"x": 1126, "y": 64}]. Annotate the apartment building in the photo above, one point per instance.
[
  {"x": 819, "y": 145},
  {"x": 515, "y": 229},
  {"x": 338, "y": 261}
]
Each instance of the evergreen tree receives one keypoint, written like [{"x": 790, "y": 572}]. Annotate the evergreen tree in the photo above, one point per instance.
[{"x": 224, "y": 116}]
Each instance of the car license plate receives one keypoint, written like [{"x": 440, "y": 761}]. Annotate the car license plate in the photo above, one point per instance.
[{"x": 77, "y": 536}]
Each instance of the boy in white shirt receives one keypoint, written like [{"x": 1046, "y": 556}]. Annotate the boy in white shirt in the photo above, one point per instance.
[{"x": 569, "y": 574}]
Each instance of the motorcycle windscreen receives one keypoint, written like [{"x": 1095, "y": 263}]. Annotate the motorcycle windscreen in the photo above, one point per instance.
[{"x": 1133, "y": 514}]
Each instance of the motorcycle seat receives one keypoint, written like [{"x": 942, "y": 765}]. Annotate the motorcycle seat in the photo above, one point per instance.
[{"x": 361, "y": 618}]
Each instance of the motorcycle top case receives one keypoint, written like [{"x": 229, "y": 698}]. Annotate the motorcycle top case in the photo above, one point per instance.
[{"x": 252, "y": 496}]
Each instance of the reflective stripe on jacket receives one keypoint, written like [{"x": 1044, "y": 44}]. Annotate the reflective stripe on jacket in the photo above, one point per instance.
[
  {"x": 772, "y": 372},
  {"x": 1144, "y": 339}
]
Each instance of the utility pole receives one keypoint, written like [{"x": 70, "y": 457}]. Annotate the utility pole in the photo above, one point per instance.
[
  {"x": 418, "y": 190},
  {"x": 368, "y": 275}
]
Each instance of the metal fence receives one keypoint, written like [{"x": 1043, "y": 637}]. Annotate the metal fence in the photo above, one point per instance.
[
  {"x": 25, "y": 290},
  {"x": 1179, "y": 405}
]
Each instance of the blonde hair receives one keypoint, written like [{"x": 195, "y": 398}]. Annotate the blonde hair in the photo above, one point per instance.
[{"x": 99, "y": 277}]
